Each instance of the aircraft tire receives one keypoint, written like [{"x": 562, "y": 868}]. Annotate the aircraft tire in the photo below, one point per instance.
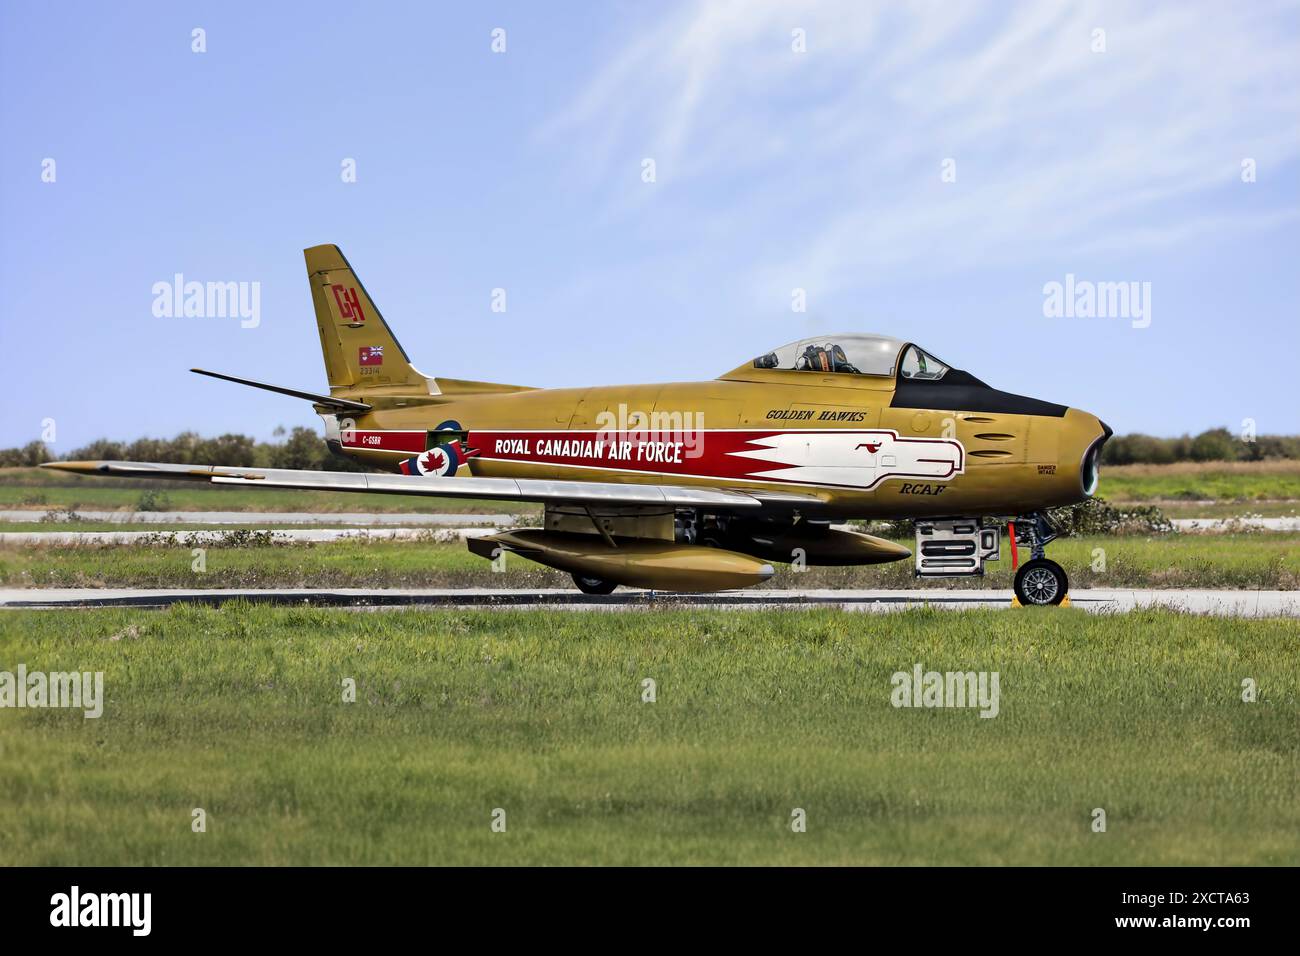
[
  {"x": 593, "y": 585},
  {"x": 1041, "y": 583}
]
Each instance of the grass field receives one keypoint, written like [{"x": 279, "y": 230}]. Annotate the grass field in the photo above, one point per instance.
[
  {"x": 239, "y": 712},
  {"x": 1265, "y": 560},
  {"x": 1203, "y": 481}
]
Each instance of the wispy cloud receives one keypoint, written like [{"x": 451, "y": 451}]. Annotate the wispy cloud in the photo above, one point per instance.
[{"x": 826, "y": 165}]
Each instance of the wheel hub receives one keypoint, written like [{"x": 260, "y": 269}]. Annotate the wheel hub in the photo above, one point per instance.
[{"x": 1040, "y": 586}]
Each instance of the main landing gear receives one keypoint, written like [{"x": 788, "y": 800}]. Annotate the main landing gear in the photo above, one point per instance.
[
  {"x": 1039, "y": 581},
  {"x": 593, "y": 585}
]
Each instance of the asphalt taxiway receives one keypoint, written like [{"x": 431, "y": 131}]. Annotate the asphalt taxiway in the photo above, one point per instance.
[{"x": 1095, "y": 600}]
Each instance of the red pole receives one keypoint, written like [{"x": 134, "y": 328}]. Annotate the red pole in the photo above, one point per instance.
[{"x": 1015, "y": 554}]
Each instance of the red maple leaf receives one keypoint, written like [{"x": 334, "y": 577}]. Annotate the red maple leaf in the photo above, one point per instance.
[{"x": 432, "y": 461}]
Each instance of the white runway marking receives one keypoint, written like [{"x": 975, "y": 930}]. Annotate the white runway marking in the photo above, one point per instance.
[
  {"x": 1095, "y": 600},
  {"x": 265, "y": 517},
  {"x": 1224, "y": 525}
]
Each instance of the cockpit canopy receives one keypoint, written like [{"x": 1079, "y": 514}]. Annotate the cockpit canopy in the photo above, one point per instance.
[{"x": 855, "y": 354}]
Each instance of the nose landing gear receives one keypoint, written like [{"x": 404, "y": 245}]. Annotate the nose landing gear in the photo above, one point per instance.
[{"x": 1039, "y": 582}]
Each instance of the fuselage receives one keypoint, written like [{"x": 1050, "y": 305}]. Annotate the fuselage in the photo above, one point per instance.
[{"x": 862, "y": 445}]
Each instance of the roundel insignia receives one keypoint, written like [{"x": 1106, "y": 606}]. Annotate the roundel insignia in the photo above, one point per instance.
[
  {"x": 438, "y": 462},
  {"x": 451, "y": 425}
]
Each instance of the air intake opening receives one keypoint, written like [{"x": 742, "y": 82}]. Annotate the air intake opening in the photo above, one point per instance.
[{"x": 1090, "y": 472}]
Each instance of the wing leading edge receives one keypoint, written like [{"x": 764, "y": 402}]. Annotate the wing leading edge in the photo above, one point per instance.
[{"x": 502, "y": 489}]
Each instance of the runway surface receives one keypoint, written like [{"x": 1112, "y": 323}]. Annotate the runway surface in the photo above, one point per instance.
[
  {"x": 1096, "y": 600},
  {"x": 381, "y": 526}
]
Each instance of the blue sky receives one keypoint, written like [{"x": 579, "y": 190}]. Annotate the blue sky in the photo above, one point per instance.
[{"x": 775, "y": 170}]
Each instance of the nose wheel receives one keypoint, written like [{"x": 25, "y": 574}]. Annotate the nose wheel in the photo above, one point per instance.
[
  {"x": 1041, "y": 583},
  {"x": 1038, "y": 582}
]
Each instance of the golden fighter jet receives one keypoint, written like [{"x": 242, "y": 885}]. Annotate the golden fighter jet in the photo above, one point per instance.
[{"x": 697, "y": 486}]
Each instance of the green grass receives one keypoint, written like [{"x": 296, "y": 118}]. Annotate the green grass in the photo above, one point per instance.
[
  {"x": 238, "y": 711},
  {"x": 1206, "y": 481},
  {"x": 1263, "y": 560}
]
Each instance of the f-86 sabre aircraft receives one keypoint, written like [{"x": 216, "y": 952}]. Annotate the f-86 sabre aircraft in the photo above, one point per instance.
[{"x": 697, "y": 486}]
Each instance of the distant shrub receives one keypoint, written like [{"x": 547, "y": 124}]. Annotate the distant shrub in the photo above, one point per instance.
[
  {"x": 1095, "y": 516},
  {"x": 1216, "y": 444},
  {"x": 29, "y": 456},
  {"x": 152, "y": 500},
  {"x": 1092, "y": 517},
  {"x": 1137, "y": 449},
  {"x": 303, "y": 448}
]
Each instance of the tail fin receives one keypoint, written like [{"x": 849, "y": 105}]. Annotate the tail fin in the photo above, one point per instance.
[{"x": 360, "y": 350}]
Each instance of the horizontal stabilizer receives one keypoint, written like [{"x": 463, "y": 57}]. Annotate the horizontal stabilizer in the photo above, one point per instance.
[{"x": 343, "y": 404}]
